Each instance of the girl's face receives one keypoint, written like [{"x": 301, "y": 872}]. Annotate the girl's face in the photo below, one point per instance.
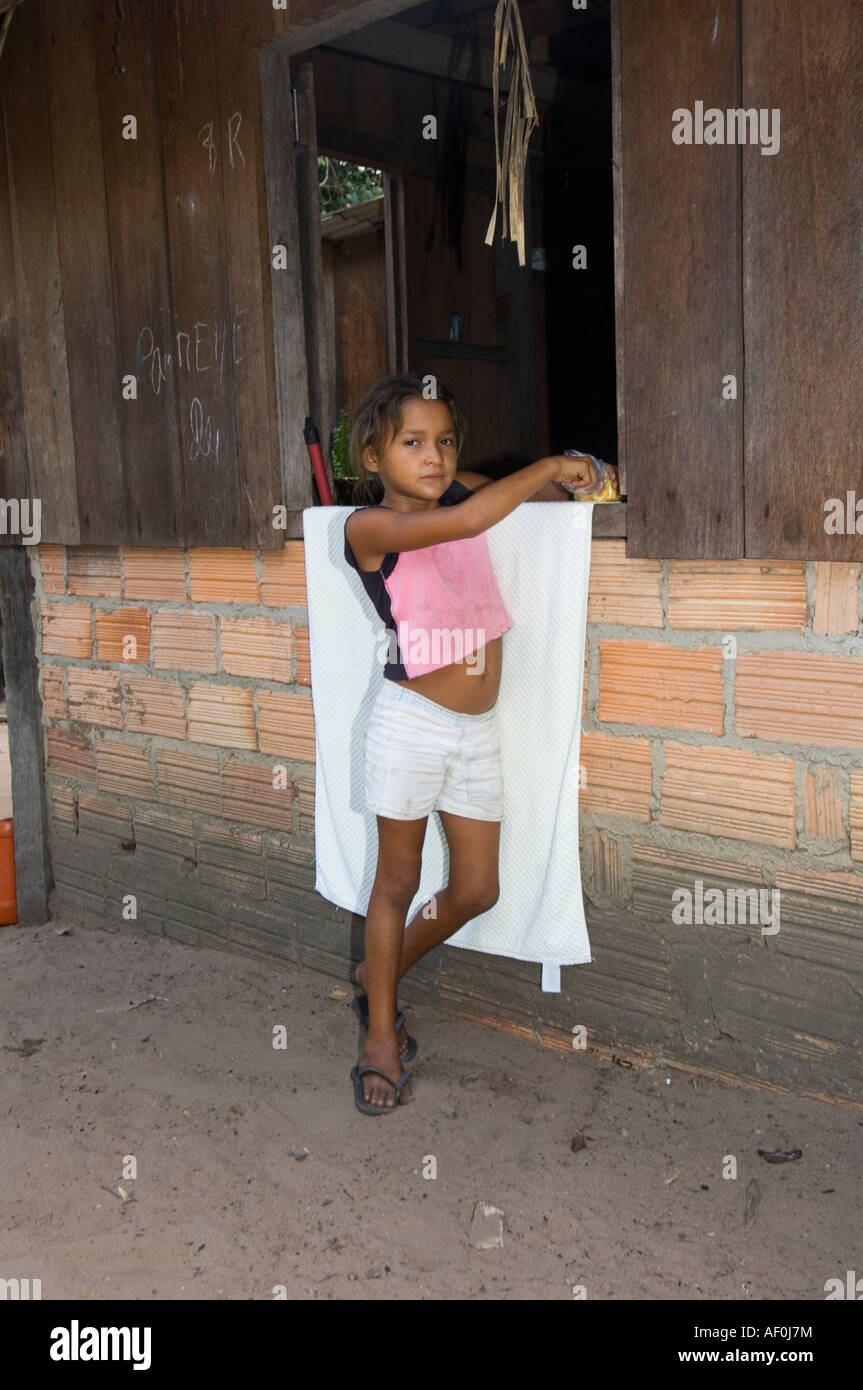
[{"x": 419, "y": 461}]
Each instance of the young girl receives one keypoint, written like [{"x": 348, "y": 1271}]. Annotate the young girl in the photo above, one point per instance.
[{"x": 432, "y": 741}]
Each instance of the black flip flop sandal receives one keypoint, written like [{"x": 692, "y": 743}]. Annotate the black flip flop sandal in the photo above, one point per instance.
[
  {"x": 360, "y": 1006},
  {"x": 357, "y": 1074}
]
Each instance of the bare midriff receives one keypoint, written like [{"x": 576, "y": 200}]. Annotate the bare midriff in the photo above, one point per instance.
[{"x": 470, "y": 686}]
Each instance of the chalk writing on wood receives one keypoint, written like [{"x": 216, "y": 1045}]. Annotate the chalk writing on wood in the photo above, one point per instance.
[
  {"x": 203, "y": 441},
  {"x": 202, "y": 349},
  {"x": 210, "y": 144},
  {"x": 199, "y": 353}
]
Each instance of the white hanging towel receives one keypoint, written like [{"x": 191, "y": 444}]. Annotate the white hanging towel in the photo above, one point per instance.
[{"x": 541, "y": 558}]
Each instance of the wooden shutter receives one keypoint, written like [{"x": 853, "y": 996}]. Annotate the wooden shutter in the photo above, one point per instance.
[
  {"x": 734, "y": 262},
  {"x": 680, "y": 242},
  {"x": 288, "y": 291},
  {"x": 38, "y": 324},
  {"x": 319, "y": 354},
  {"x": 144, "y": 257},
  {"x": 803, "y": 276}
]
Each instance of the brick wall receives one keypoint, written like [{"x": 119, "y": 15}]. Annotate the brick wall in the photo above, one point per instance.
[{"x": 723, "y": 742}]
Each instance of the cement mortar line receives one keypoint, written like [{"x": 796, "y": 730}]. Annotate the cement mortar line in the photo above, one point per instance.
[
  {"x": 687, "y": 638},
  {"x": 655, "y": 833},
  {"x": 821, "y": 752},
  {"x": 105, "y": 604},
  {"x": 748, "y": 639},
  {"x": 834, "y": 755},
  {"x": 769, "y": 857},
  {"x": 182, "y": 676},
  {"x": 212, "y": 752},
  {"x": 234, "y": 826},
  {"x": 623, "y": 829}
]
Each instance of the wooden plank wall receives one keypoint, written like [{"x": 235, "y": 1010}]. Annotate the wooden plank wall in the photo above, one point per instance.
[
  {"x": 13, "y": 445},
  {"x": 147, "y": 256},
  {"x": 39, "y": 310},
  {"x": 85, "y": 269},
  {"x": 803, "y": 273},
  {"x": 149, "y": 427},
  {"x": 356, "y": 271},
  {"x": 681, "y": 249}
]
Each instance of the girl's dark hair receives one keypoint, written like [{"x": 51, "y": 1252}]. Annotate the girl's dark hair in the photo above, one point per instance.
[{"x": 379, "y": 419}]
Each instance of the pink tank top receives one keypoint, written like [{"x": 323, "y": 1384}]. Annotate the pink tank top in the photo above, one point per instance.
[{"x": 442, "y": 602}]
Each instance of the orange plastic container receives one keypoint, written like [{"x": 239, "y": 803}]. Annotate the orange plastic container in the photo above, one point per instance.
[{"x": 8, "y": 901}]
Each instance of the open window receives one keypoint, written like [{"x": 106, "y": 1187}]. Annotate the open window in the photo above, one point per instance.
[{"x": 529, "y": 350}]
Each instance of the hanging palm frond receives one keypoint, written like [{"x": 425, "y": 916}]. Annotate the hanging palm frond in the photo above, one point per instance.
[
  {"x": 7, "y": 9},
  {"x": 521, "y": 121}
]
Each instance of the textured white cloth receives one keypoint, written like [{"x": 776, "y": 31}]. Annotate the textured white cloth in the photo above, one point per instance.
[{"x": 541, "y": 557}]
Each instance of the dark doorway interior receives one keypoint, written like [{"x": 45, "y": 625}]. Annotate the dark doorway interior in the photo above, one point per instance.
[{"x": 529, "y": 351}]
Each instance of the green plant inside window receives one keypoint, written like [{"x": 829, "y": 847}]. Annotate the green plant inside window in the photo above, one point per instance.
[
  {"x": 340, "y": 455},
  {"x": 343, "y": 185}
]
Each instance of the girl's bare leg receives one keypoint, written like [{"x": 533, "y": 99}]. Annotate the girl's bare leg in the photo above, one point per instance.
[
  {"x": 473, "y": 887},
  {"x": 396, "y": 881}
]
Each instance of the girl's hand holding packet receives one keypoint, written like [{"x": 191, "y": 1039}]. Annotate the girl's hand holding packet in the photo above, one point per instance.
[{"x": 604, "y": 489}]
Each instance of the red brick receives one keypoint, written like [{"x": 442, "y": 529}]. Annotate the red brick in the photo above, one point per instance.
[
  {"x": 125, "y": 770},
  {"x": 248, "y": 795},
  {"x": 800, "y": 697},
  {"x": 154, "y": 706},
  {"x": 835, "y": 598},
  {"x": 188, "y": 781},
  {"x": 184, "y": 641},
  {"x": 257, "y": 647},
  {"x": 286, "y": 725},
  {"x": 304, "y": 669},
  {"x": 716, "y": 790},
  {"x": 71, "y": 755},
  {"x": 723, "y": 596},
  {"x": 53, "y": 693},
  {"x": 94, "y": 697},
  {"x": 855, "y": 786},
  {"x": 616, "y": 775},
  {"x": 154, "y": 572},
  {"x": 223, "y": 574},
  {"x": 104, "y": 817},
  {"x": 64, "y": 806},
  {"x": 66, "y": 629},
  {"x": 283, "y": 576},
  {"x": 660, "y": 684},
  {"x": 223, "y": 715},
  {"x": 51, "y": 568},
  {"x": 306, "y": 804},
  {"x": 113, "y": 631},
  {"x": 93, "y": 571},
  {"x": 822, "y": 806},
  {"x": 621, "y": 590}
]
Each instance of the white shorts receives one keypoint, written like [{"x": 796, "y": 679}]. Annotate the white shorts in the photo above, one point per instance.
[{"x": 421, "y": 757}]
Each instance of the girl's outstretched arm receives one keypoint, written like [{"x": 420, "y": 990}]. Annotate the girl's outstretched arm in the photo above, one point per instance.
[{"x": 550, "y": 492}]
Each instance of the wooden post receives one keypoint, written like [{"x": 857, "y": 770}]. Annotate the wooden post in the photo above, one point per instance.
[
  {"x": 397, "y": 299},
  {"x": 321, "y": 387},
  {"x": 32, "y": 859},
  {"x": 292, "y": 392}
]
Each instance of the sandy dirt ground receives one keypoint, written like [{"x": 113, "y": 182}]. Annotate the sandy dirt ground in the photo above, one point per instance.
[{"x": 254, "y": 1169}]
